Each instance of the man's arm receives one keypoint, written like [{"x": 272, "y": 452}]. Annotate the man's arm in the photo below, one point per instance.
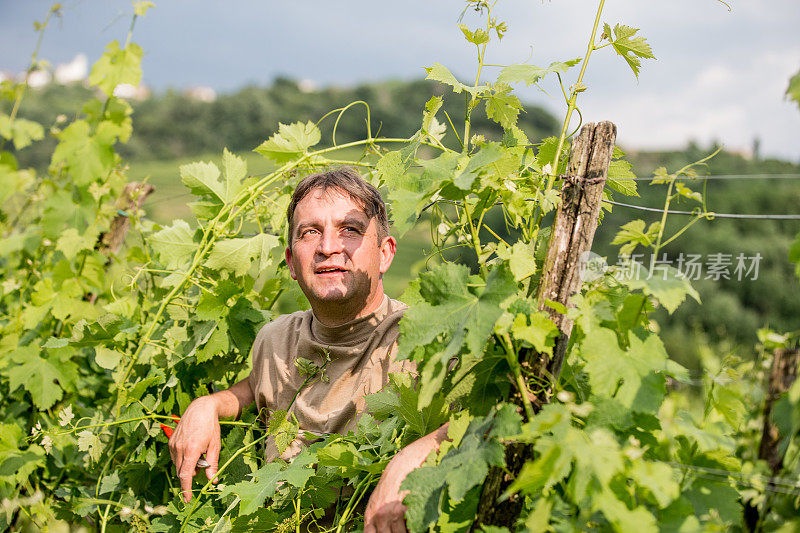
[
  {"x": 198, "y": 432},
  {"x": 385, "y": 510}
]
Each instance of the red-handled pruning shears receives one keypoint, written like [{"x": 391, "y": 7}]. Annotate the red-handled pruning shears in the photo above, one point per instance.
[
  {"x": 169, "y": 429},
  {"x": 201, "y": 463}
]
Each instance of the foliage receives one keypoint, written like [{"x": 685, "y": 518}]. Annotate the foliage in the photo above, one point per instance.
[
  {"x": 732, "y": 311},
  {"x": 793, "y": 90},
  {"x": 99, "y": 349},
  {"x": 174, "y": 125}
]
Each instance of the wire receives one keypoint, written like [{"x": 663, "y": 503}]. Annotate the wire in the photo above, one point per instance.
[
  {"x": 725, "y": 177},
  {"x": 167, "y": 198},
  {"x": 710, "y": 214},
  {"x": 756, "y": 481}
]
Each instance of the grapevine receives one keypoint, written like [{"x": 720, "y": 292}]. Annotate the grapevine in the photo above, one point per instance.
[{"x": 101, "y": 350}]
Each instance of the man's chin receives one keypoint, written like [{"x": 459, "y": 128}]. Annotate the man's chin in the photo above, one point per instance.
[
  {"x": 333, "y": 296},
  {"x": 337, "y": 294}
]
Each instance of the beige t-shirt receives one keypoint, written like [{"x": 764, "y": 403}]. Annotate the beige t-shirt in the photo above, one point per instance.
[{"x": 361, "y": 354}]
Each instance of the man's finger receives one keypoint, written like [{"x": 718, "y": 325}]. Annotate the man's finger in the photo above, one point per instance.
[
  {"x": 186, "y": 473},
  {"x": 369, "y": 528},
  {"x": 398, "y": 525},
  {"x": 382, "y": 522},
  {"x": 212, "y": 456},
  {"x": 172, "y": 453}
]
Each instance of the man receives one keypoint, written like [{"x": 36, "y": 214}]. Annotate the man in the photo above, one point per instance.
[{"x": 339, "y": 249}]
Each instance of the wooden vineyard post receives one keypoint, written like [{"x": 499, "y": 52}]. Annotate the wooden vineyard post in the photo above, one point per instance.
[
  {"x": 782, "y": 375},
  {"x": 130, "y": 201},
  {"x": 573, "y": 232}
]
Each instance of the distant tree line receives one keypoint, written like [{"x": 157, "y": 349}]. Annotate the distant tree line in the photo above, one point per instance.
[{"x": 172, "y": 125}]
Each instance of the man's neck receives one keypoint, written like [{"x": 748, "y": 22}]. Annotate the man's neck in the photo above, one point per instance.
[{"x": 333, "y": 316}]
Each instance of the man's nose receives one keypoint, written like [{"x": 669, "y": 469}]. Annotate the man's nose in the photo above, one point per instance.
[{"x": 330, "y": 243}]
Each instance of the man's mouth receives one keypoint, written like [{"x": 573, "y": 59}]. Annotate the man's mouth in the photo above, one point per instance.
[{"x": 329, "y": 270}]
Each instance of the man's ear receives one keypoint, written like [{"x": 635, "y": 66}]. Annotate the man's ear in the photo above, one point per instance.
[
  {"x": 388, "y": 249},
  {"x": 288, "y": 255}
]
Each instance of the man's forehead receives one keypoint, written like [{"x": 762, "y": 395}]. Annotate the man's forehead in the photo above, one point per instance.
[{"x": 348, "y": 205}]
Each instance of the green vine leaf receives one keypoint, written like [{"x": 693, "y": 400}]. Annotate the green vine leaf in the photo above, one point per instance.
[
  {"x": 291, "y": 141},
  {"x": 450, "y": 308},
  {"x": 283, "y": 428},
  {"x": 620, "y": 176},
  {"x": 21, "y": 131},
  {"x": 476, "y": 37},
  {"x": 520, "y": 259},
  {"x": 107, "y": 358},
  {"x": 633, "y": 234},
  {"x": 237, "y": 255},
  {"x": 460, "y": 469},
  {"x": 502, "y": 106},
  {"x": 37, "y": 375},
  {"x": 536, "y": 329},
  {"x": 71, "y": 242},
  {"x": 254, "y": 492},
  {"x": 116, "y": 66},
  {"x": 203, "y": 180},
  {"x": 633, "y": 377},
  {"x": 667, "y": 284},
  {"x": 174, "y": 244},
  {"x": 442, "y": 74},
  {"x": 88, "y": 157},
  {"x": 632, "y": 49},
  {"x": 476, "y": 165},
  {"x": 531, "y": 74},
  {"x": 89, "y": 442},
  {"x": 430, "y": 125},
  {"x": 793, "y": 90},
  {"x": 408, "y": 193},
  {"x": 216, "y": 345}
]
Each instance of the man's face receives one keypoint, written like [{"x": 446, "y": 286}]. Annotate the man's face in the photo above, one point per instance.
[{"x": 336, "y": 256}]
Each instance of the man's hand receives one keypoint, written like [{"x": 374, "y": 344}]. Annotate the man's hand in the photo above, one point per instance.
[
  {"x": 197, "y": 433},
  {"x": 385, "y": 510}
]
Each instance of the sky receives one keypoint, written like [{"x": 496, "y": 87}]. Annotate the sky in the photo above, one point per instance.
[{"x": 720, "y": 75}]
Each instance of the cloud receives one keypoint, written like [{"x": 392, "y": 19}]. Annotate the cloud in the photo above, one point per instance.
[
  {"x": 730, "y": 101},
  {"x": 719, "y": 74}
]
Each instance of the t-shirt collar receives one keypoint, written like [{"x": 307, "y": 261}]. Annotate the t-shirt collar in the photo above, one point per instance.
[{"x": 351, "y": 332}]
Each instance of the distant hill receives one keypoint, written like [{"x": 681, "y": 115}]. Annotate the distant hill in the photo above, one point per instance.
[{"x": 174, "y": 124}]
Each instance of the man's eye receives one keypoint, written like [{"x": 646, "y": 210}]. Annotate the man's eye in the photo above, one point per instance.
[
  {"x": 308, "y": 233},
  {"x": 351, "y": 229}
]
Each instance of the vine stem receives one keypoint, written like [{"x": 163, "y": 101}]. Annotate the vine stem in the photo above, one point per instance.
[
  {"x": 354, "y": 500},
  {"x": 476, "y": 241},
  {"x": 472, "y": 101},
  {"x": 15, "y": 110},
  {"x": 663, "y": 223},
  {"x": 31, "y": 67},
  {"x": 236, "y": 454},
  {"x": 573, "y": 98},
  {"x": 658, "y": 245},
  {"x": 513, "y": 362}
]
